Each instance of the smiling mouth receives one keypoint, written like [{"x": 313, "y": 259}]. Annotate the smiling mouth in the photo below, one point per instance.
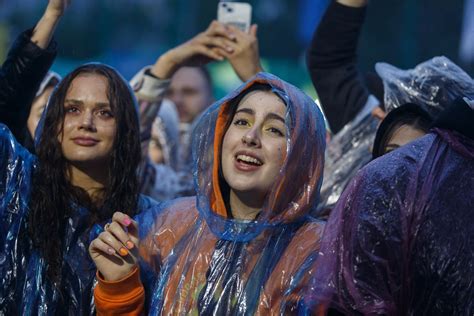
[{"x": 249, "y": 160}]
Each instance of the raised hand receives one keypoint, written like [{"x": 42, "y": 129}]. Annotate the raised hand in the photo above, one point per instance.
[
  {"x": 57, "y": 7},
  {"x": 354, "y": 3},
  {"x": 115, "y": 250},
  {"x": 244, "y": 56},
  {"x": 44, "y": 29},
  {"x": 210, "y": 45}
]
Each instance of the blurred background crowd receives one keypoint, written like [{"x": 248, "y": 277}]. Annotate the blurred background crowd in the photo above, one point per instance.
[{"x": 129, "y": 34}]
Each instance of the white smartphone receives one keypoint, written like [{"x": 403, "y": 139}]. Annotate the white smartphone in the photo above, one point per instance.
[{"x": 237, "y": 14}]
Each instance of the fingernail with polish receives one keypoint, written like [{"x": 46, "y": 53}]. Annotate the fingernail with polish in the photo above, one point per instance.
[
  {"x": 127, "y": 221},
  {"x": 130, "y": 244},
  {"x": 111, "y": 251},
  {"x": 123, "y": 252}
]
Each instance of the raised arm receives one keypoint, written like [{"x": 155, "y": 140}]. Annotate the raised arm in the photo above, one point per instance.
[
  {"x": 152, "y": 82},
  {"x": 44, "y": 30},
  {"x": 244, "y": 56},
  {"x": 332, "y": 62},
  {"x": 27, "y": 63}
]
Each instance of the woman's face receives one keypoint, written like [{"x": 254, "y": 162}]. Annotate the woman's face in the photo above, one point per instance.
[
  {"x": 254, "y": 146},
  {"x": 89, "y": 124},
  {"x": 402, "y": 136}
]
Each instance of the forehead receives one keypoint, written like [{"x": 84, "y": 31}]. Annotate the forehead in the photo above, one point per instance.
[
  {"x": 88, "y": 86},
  {"x": 405, "y": 133},
  {"x": 263, "y": 102},
  {"x": 189, "y": 77}
]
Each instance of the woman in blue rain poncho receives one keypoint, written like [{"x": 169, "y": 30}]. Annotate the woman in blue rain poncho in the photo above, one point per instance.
[
  {"x": 53, "y": 204},
  {"x": 245, "y": 243}
]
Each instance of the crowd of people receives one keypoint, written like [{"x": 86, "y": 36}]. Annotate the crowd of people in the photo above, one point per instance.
[{"x": 151, "y": 197}]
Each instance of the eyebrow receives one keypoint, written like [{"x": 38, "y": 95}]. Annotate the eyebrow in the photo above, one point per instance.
[
  {"x": 79, "y": 102},
  {"x": 245, "y": 110},
  {"x": 273, "y": 116},
  {"x": 269, "y": 116}
]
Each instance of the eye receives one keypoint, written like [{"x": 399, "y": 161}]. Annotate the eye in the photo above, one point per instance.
[
  {"x": 276, "y": 131},
  {"x": 189, "y": 92},
  {"x": 241, "y": 122},
  {"x": 72, "y": 109},
  {"x": 106, "y": 113}
]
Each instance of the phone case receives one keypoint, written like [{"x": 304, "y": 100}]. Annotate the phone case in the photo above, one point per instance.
[{"x": 237, "y": 14}]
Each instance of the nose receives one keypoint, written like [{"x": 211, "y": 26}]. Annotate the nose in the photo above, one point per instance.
[
  {"x": 252, "y": 138},
  {"x": 87, "y": 121}
]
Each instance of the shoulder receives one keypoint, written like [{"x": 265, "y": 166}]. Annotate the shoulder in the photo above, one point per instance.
[{"x": 397, "y": 165}]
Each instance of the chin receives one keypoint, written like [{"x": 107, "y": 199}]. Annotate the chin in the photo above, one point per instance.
[{"x": 86, "y": 160}]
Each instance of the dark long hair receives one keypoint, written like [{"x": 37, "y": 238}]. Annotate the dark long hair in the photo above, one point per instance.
[
  {"x": 407, "y": 114},
  {"x": 53, "y": 197}
]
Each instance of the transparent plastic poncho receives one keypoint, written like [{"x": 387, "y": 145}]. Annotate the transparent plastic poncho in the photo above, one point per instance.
[
  {"x": 400, "y": 240},
  {"x": 24, "y": 287},
  {"x": 432, "y": 85},
  {"x": 203, "y": 262}
]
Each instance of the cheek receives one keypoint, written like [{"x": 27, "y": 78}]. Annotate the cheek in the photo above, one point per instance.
[
  {"x": 225, "y": 152},
  {"x": 69, "y": 123},
  {"x": 279, "y": 152},
  {"x": 109, "y": 130},
  {"x": 228, "y": 142}
]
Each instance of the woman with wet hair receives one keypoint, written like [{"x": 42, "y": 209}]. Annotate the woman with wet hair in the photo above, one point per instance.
[
  {"x": 53, "y": 204},
  {"x": 245, "y": 242}
]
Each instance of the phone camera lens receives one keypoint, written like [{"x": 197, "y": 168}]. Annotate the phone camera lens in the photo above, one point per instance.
[
  {"x": 224, "y": 5},
  {"x": 230, "y": 10}
]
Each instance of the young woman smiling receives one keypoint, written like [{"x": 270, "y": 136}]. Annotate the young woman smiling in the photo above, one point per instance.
[{"x": 245, "y": 242}]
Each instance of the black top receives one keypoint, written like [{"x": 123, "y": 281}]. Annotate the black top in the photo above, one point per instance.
[
  {"x": 20, "y": 77},
  {"x": 332, "y": 61}
]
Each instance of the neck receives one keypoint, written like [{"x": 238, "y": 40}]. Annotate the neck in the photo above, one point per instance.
[
  {"x": 92, "y": 180},
  {"x": 245, "y": 205}
]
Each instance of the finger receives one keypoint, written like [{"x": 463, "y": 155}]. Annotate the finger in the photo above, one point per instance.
[
  {"x": 209, "y": 53},
  {"x": 98, "y": 246},
  {"x": 219, "y": 29},
  {"x": 236, "y": 31},
  {"x": 118, "y": 231},
  {"x": 133, "y": 232},
  {"x": 126, "y": 221},
  {"x": 220, "y": 42},
  {"x": 222, "y": 52},
  {"x": 253, "y": 30},
  {"x": 109, "y": 239}
]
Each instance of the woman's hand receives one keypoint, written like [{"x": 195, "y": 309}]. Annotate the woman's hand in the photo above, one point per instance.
[
  {"x": 44, "y": 29},
  {"x": 244, "y": 56},
  {"x": 115, "y": 250},
  {"x": 210, "y": 45},
  {"x": 57, "y": 7}
]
